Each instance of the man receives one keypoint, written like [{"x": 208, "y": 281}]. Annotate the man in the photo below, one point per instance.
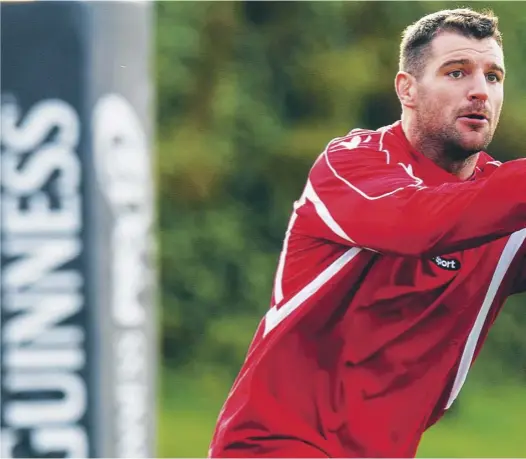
[{"x": 398, "y": 256}]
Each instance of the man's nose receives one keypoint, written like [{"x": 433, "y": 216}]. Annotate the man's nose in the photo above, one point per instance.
[{"x": 479, "y": 88}]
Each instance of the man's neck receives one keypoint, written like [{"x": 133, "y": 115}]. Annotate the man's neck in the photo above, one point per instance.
[{"x": 463, "y": 168}]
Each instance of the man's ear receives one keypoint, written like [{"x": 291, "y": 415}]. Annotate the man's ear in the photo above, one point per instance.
[{"x": 406, "y": 89}]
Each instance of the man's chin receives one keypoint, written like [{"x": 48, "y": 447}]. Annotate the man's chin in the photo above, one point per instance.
[
  {"x": 462, "y": 149},
  {"x": 474, "y": 141}
]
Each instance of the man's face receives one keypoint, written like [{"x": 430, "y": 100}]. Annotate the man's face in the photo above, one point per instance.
[{"x": 460, "y": 93}]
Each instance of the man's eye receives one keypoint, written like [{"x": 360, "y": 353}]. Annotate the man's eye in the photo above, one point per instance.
[
  {"x": 456, "y": 74},
  {"x": 493, "y": 78}
]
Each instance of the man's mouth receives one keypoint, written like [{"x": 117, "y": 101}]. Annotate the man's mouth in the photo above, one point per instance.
[{"x": 474, "y": 118}]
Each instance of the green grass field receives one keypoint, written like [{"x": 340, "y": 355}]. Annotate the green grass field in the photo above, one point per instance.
[{"x": 489, "y": 422}]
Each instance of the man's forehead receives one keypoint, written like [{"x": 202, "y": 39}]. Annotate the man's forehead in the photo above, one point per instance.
[{"x": 451, "y": 44}]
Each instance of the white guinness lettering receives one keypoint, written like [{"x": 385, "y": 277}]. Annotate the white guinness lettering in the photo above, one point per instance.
[{"x": 42, "y": 337}]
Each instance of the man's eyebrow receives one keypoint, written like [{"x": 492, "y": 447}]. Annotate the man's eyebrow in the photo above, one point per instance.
[
  {"x": 495, "y": 67},
  {"x": 456, "y": 62},
  {"x": 498, "y": 68}
]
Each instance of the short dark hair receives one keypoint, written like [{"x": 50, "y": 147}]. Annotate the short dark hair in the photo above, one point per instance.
[{"x": 415, "y": 47}]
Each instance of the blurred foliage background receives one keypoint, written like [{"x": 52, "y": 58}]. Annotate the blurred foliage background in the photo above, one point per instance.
[{"x": 249, "y": 93}]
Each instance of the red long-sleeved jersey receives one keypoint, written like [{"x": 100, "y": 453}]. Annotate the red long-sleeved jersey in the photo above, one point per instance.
[{"x": 391, "y": 273}]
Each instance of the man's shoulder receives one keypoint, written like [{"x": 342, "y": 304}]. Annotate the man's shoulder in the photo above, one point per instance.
[{"x": 385, "y": 140}]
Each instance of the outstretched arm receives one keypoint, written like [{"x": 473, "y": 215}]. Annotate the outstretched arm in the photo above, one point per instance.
[{"x": 356, "y": 196}]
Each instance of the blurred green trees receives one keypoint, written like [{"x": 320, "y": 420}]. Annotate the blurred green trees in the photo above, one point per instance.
[{"x": 249, "y": 93}]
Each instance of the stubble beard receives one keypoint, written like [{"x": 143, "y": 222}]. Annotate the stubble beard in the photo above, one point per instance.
[{"x": 444, "y": 142}]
